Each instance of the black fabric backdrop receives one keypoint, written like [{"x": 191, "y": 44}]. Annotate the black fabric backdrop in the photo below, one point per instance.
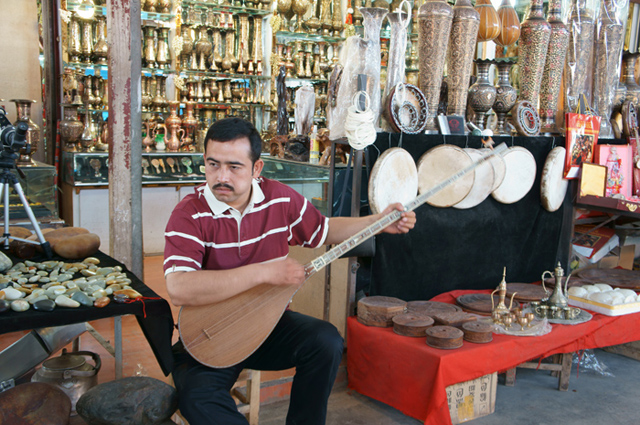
[
  {"x": 154, "y": 317},
  {"x": 467, "y": 249}
]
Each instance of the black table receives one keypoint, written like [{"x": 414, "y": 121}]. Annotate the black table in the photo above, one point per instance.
[{"x": 152, "y": 312}]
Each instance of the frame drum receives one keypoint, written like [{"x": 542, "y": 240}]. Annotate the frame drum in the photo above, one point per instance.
[
  {"x": 482, "y": 184},
  {"x": 439, "y": 164},
  {"x": 519, "y": 178},
  {"x": 553, "y": 186},
  {"x": 394, "y": 178},
  {"x": 499, "y": 168}
]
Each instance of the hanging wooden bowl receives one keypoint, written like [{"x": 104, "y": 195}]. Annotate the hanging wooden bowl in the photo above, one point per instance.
[
  {"x": 379, "y": 311},
  {"x": 444, "y": 337},
  {"x": 411, "y": 324},
  {"x": 478, "y": 332}
]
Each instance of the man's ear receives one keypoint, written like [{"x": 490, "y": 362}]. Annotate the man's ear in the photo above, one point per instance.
[{"x": 257, "y": 168}]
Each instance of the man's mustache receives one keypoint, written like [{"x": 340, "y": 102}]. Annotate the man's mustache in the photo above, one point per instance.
[{"x": 224, "y": 185}]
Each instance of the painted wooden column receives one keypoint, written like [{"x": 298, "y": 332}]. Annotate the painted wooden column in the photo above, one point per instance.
[{"x": 125, "y": 140}]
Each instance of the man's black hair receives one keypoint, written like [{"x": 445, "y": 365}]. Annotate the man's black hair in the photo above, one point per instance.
[{"x": 228, "y": 129}]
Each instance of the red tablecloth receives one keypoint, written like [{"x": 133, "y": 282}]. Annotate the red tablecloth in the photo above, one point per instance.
[{"x": 412, "y": 377}]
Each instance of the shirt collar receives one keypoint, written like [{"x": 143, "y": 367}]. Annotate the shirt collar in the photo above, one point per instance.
[{"x": 218, "y": 207}]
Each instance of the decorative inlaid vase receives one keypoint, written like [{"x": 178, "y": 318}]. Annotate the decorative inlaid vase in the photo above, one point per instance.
[
  {"x": 552, "y": 74},
  {"x": 462, "y": 43},
  {"x": 434, "y": 26},
  {"x": 70, "y": 127},
  {"x": 506, "y": 94},
  {"x": 482, "y": 95},
  {"x": 629, "y": 78},
  {"x": 535, "y": 32}
]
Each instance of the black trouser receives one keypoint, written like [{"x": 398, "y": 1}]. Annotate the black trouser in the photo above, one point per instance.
[{"x": 314, "y": 347}]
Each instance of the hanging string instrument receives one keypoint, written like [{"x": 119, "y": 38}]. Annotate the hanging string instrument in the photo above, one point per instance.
[{"x": 224, "y": 333}]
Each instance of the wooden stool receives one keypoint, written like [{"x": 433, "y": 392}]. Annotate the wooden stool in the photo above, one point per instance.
[
  {"x": 560, "y": 367},
  {"x": 246, "y": 393}
]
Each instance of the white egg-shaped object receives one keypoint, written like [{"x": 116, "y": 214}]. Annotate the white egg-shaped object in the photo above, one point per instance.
[
  {"x": 601, "y": 298},
  {"x": 578, "y": 291},
  {"x": 591, "y": 288},
  {"x": 603, "y": 287}
]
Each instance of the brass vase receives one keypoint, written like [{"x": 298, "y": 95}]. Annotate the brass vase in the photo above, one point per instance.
[
  {"x": 300, "y": 7},
  {"x": 162, "y": 58},
  {"x": 243, "y": 34},
  {"x": 88, "y": 137},
  {"x": 23, "y": 114},
  {"x": 229, "y": 61},
  {"x": 325, "y": 17},
  {"x": 149, "y": 47},
  {"x": 202, "y": 47},
  {"x": 187, "y": 45},
  {"x": 462, "y": 43},
  {"x": 509, "y": 25},
  {"x": 257, "y": 40},
  {"x": 609, "y": 39},
  {"x": 100, "y": 49},
  {"x": 337, "y": 23},
  {"x": 506, "y": 94},
  {"x": 581, "y": 27},
  {"x": 87, "y": 40},
  {"x": 628, "y": 77},
  {"x": 70, "y": 127},
  {"x": 552, "y": 74},
  {"x": 75, "y": 44},
  {"x": 532, "y": 52},
  {"x": 217, "y": 48},
  {"x": 482, "y": 95},
  {"x": 434, "y": 26}
]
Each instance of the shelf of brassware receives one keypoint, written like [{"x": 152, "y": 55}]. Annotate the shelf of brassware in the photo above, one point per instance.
[
  {"x": 227, "y": 8},
  {"x": 72, "y": 6}
]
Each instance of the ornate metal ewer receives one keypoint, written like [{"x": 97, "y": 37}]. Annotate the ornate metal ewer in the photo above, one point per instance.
[
  {"x": 552, "y": 74},
  {"x": 609, "y": 40},
  {"x": 75, "y": 44},
  {"x": 70, "y": 127},
  {"x": 581, "y": 28},
  {"x": 532, "y": 52},
  {"x": 100, "y": 49},
  {"x": 23, "y": 114},
  {"x": 396, "y": 65},
  {"x": 434, "y": 26},
  {"x": 373, "y": 17},
  {"x": 173, "y": 139},
  {"x": 506, "y": 94},
  {"x": 628, "y": 77},
  {"x": 462, "y": 43},
  {"x": 88, "y": 137},
  {"x": 482, "y": 95},
  {"x": 325, "y": 16}
]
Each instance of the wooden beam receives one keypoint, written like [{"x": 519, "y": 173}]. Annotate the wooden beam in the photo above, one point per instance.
[
  {"x": 52, "y": 70},
  {"x": 125, "y": 144}
]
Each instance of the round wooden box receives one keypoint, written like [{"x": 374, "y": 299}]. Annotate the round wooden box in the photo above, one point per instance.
[
  {"x": 411, "y": 324},
  {"x": 478, "y": 332},
  {"x": 379, "y": 311},
  {"x": 444, "y": 337}
]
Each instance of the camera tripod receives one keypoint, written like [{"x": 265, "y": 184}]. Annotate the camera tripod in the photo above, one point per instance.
[{"x": 8, "y": 178}]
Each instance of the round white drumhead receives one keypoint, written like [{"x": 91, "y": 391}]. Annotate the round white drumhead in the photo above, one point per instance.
[
  {"x": 394, "y": 178},
  {"x": 439, "y": 164},
  {"x": 553, "y": 186},
  {"x": 519, "y": 177},
  {"x": 482, "y": 184},
  {"x": 499, "y": 168}
]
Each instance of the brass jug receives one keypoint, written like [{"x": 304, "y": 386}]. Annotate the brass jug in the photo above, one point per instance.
[{"x": 557, "y": 298}]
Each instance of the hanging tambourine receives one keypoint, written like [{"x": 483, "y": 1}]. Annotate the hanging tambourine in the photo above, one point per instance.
[
  {"x": 553, "y": 185},
  {"x": 407, "y": 109},
  {"x": 394, "y": 178}
]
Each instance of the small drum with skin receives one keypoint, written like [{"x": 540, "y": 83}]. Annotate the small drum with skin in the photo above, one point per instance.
[
  {"x": 553, "y": 186},
  {"x": 394, "y": 178},
  {"x": 439, "y": 164},
  {"x": 499, "y": 168},
  {"x": 519, "y": 178},
  {"x": 482, "y": 184}
]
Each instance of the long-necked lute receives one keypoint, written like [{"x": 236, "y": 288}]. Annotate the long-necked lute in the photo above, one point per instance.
[{"x": 225, "y": 333}]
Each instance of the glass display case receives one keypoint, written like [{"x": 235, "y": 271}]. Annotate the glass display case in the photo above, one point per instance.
[
  {"x": 160, "y": 168},
  {"x": 39, "y": 186}
]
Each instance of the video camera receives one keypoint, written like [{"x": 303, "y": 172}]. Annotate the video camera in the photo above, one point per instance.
[{"x": 13, "y": 139}]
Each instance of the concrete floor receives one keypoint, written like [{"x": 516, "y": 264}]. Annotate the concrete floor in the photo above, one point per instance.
[{"x": 591, "y": 399}]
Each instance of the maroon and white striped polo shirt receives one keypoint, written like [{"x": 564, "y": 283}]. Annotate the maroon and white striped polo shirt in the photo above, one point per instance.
[{"x": 204, "y": 233}]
